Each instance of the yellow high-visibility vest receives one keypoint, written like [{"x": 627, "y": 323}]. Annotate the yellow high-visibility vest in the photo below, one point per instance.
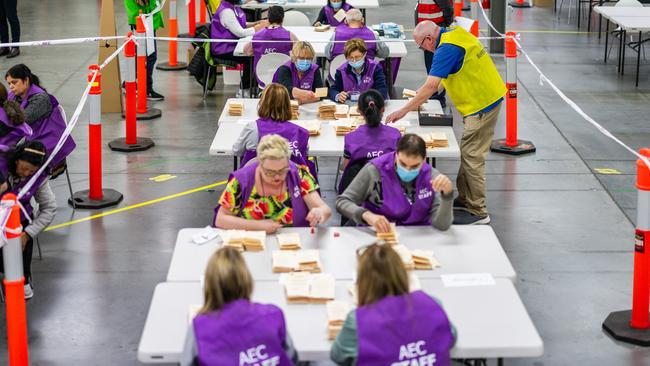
[{"x": 477, "y": 84}]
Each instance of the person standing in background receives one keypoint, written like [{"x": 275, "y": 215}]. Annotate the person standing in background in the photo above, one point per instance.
[
  {"x": 133, "y": 8},
  {"x": 9, "y": 13}
]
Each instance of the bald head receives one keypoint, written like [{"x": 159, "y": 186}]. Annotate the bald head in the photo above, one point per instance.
[
  {"x": 354, "y": 17},
  {"x": 424, "y": 30}
]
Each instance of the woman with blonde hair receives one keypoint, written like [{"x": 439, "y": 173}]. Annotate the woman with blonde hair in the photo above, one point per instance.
[
  {"x": 274, "y": 110},
  {"x": 230, "y": 329},
  {"x": 301, "y": 76},
  {"x": 391, "y": 326},
  {"x": 271, "y": 192}
]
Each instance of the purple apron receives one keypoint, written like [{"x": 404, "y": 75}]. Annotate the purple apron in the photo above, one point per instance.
[
  {"x": 329, "y": 13},
  {"x": 350, "y": 81},
  {"x": 414, "y": 330},
  {"x": 218, "y": 31},
  {"x": 367, "y": 143},
  {"x": 11, "y": 139},
  {"x": 262, "y": 48},
  {"x": 396, "y": 206},
  {"x": 246, "y": 178},
  {"x": 304, "y": 83},
  {"x": 48, "y": 130},
  {"x": 241, "y": 333},
  {"x": 344, "y": 33}
]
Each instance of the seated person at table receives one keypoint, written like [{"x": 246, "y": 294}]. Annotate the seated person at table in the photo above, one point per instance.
[
  {"x": 357, "y": 74},
  {"x": 271, "y": 192},
  {"x": 399, "y": 187},
  {"x": 370, "y": 140},
  {"x": 355, "y": 27},
  {"x": 327, "y": 12},
  {"x": 392, "y": 326},
  {"x": 274, "y": 110},
  {"x": 273, "y": 32},
  {"x": 230, "y": 329},
  {"x": 301, "y": 76},
  {"x": 229, "y": 22}
]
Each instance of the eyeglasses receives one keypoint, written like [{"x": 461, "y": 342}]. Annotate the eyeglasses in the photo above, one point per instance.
[
  {"x": 274, "y": 173},
  {"x": 421, "y": 43},
  {"x": 357, "y": 59}
]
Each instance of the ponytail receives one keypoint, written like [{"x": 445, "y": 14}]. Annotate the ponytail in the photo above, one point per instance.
[
  {"x": 371, "y": 105},
  {"x": 12, "y": 109},
  {"x": 22, "y": 72}
]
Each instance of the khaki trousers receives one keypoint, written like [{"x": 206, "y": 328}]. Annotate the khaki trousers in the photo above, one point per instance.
[{"x": 474, "y": 146}]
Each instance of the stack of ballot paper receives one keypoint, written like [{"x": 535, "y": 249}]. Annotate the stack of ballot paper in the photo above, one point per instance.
[
  {"x": 322, "y": 28},
  {"x": 294, "y": 109},
  {"x": 435, "y": 139},
  {"x": 289, "y": 241},
  {"x": 354, "y": 111},
  {"x": 389, "y": 237},
  {"x": 296, "y": 261},
  {"x": 235, "y": 108},
  {"x": 342, "y": 111},
  {"x": 408, "y": 93},
  {"x": 251, "y": 241},
  {"x": 312, "y": 125},
  {"x": 304, "y": 287},
  {"x": 326, "y": 110},
  {"x": 405, "y": 255},
  {"x": 346, "y": 125},
  {"x": 337, "y": 311},
  {"x": 424, "y": 259}
]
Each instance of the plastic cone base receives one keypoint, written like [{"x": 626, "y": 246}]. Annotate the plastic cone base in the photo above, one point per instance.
[
  {"x": 522, "y": 147},
  {"x": 618, "y": 326},
  {"x": 141, "y": 144},
  {"x": 165, "y": 66},
  {"x": 515, "y": 4},
  {"x": 151, "y": 113},
  {"x": 81, "y": 199}
]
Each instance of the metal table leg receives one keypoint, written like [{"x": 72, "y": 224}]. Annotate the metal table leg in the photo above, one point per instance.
[
  {"x": 389, "y": 76},
  {"x": 623, "y": 37},
  {"x": 638, "y": 58},
  {"x": 606, "y": 39}
]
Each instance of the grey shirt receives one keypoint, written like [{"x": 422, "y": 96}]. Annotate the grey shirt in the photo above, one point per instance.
[
  {"x": 247, "y": 139},
  {"x": 366, "y": 186},
  {"x": 382, "y": 48},
  {"x": 44, "y": 207},
  {"x": 39, "y": 107}
]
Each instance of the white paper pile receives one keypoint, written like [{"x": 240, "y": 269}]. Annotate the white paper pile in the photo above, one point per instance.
[
  {"x": 235, "y": 108},
  {"x": 244, "y": 240},
  {"x": 302, "y": 287}
]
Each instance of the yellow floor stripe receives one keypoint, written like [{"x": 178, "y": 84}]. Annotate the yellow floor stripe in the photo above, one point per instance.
[{"x": 137, "y": 205}]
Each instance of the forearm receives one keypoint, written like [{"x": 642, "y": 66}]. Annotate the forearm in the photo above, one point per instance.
[
  {"x": 231, "y": 222},
  {"x": 349, "y": 202},
  {"x": 46, "y": 210},
  {"x": 382, "y": 49},
  {"x": 442, "y": 215},
  {"x": 422, "y": 96}
]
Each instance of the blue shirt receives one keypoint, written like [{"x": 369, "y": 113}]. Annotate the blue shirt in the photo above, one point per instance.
[{"x": 448, "y": 59}]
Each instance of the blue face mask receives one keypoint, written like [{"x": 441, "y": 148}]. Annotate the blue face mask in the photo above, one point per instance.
[
  {"x": 336, "y": 5},
  {"x": 357, "y": 64},
  {"x": 303, "y": 65},
  {"x": 407, "y": 175}
]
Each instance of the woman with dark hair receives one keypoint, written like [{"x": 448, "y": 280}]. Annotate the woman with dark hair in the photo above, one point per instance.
[
  {"x": 327, "y": 14},
  {"x": 370, "y": 140},
  {"x": 229, "y": 22},
  {"x": 12, "y": 125},
  {"x": 42, "y": 113},
  {"x": 399, "y": 187},
  {"x": 23, "y": 163}
]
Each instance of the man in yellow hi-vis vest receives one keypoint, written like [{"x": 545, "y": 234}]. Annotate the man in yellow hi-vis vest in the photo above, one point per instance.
[{"x": 473, "y": 83}]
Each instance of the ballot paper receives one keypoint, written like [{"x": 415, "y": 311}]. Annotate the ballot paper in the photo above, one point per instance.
[
  {"x": 389, "y": 237},
  {"x": 322, "y": 28},
  {"x": 408, "y": 93},
  {"x": 302, "y": 287},
  {"x": 312, "y": 126},
  {"x": 289, "y": 241},
  {"x": 205, "y": 235},
  {"x": 467, "y": 279},
  {"x": 337, "y": 311},
  {"x": 340, "y": 15},
  {"x": 424, "y": 259},
  {"x": 321, "y": 92},
  {"x": 284, "y": 261},
  {"x": 406, "y": 256},
  {"x": 244, "y": 240}
]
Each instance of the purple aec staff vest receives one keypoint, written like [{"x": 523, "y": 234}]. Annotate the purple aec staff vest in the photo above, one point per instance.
[
  {"x": 241, "y": 333},
  {"x": 366, "y": 143},
  {"x": 304, "y": 83},
  {"x": 218, "y": 31},
  {"x": 344, "y": 33},
  {"x": 262, "y": 48},
  {"x": 329, "y": 13},
  {"x": 350, "y": 81},
  {"x": 396, "y": 207},
  {"x": 410, "y": 329},
  {"x": 297, "y": 137},
  {"x": 48, "y": 130},
  {"x": 246, "y": 178}
]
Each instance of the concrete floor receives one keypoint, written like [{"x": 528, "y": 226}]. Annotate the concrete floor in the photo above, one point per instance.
[{"x": 567, "y": 230}]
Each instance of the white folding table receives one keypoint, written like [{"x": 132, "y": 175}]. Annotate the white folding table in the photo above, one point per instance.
[
  {"x": 460, "y": 249},
  {"x": 491, "y": 321}
]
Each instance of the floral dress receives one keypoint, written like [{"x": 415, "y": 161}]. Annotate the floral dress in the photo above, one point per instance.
[{"x": 258, "y": 207}]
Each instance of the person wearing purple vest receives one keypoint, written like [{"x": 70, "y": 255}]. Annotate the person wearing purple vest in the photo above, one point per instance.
[
  {"x": 230, "y": 329},
  {"x": 370, "y": 140},
  {"x": 12, "y": 127},
  {"x": 42, "y": 113},
  {"x": 271, "y": 192},
  {"x": 24, "y": 162},
  {"x": 327, "y": 14},
  {"x": 355, "y": 27},
  {"x": 357, "y": 75},
  {"x": 392, "y": 326},
  {"x": 301, "y": 76},
  {"x": 229, "y": 22},
  {"x": 399, "y": 187},
  {"x": 274, "y": 110},
  {"x": 274, "y": 32}
]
